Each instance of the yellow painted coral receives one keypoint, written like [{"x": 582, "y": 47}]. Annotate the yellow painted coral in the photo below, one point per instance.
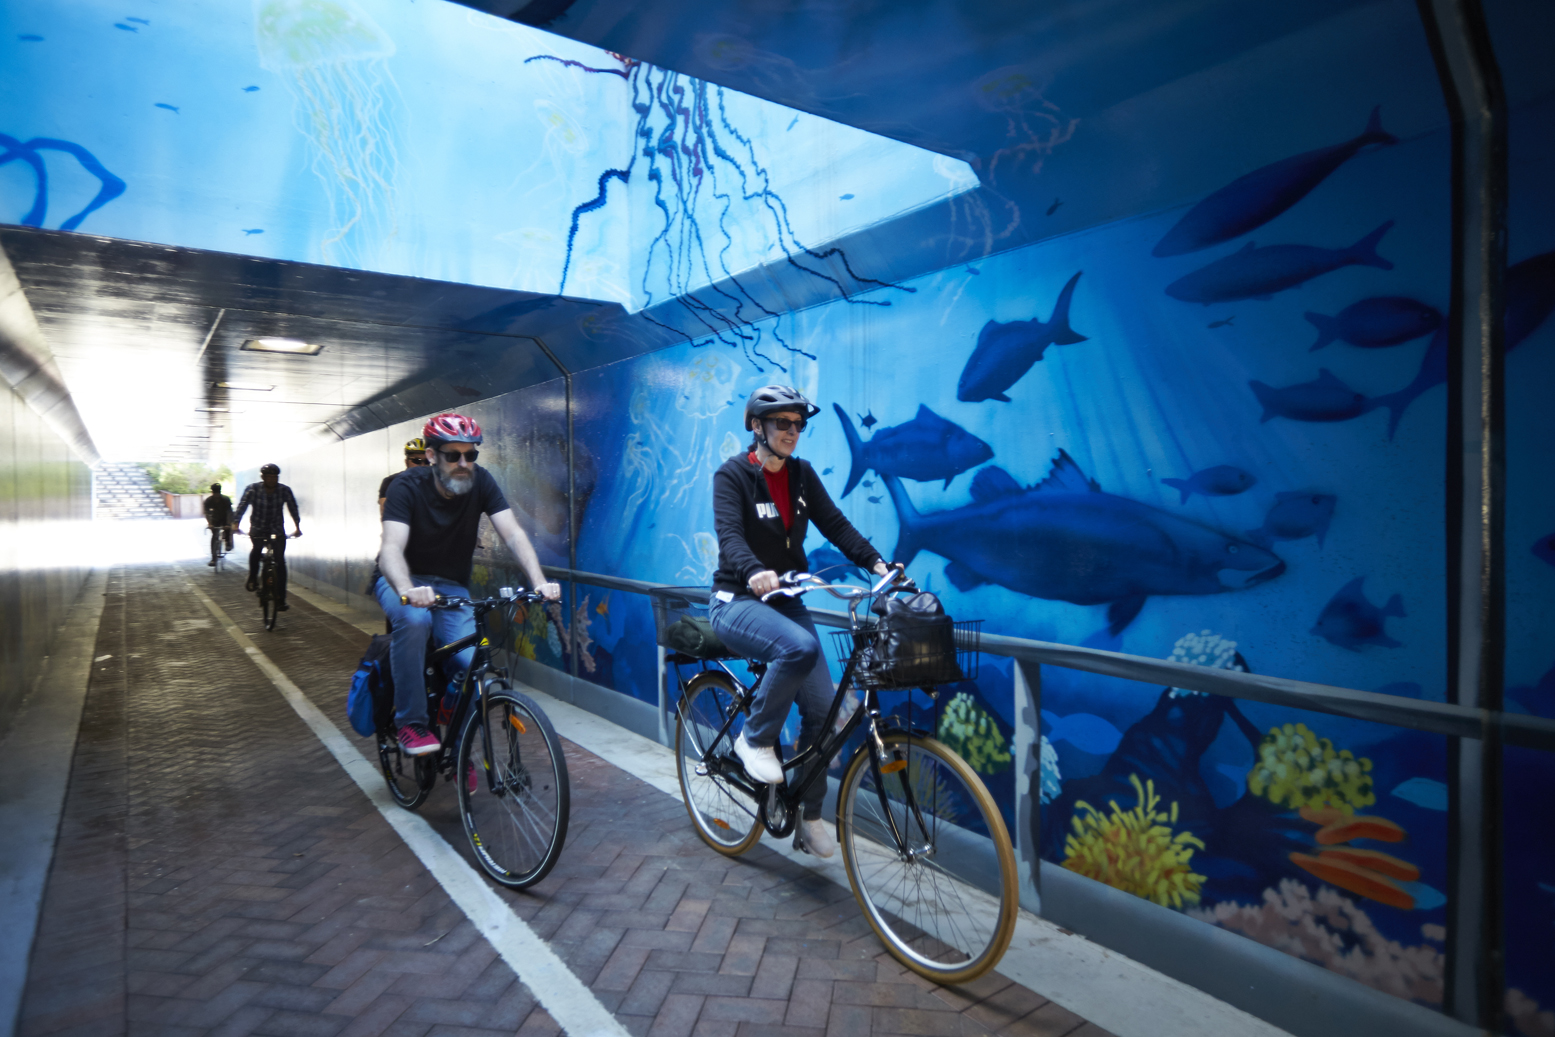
[
  {"x": 1135, "y": 850},
  {"x": 968, "y": 729},
  {"x": 1295, "y": 769}
]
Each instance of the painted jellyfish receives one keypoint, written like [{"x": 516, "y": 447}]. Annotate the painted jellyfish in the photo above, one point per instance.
[{"x": 332, "y": 56}]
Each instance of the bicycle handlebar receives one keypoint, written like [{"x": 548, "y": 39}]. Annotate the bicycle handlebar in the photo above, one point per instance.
[
  {"x": 797, "y": 583},
  {"x": 505, "y": 596}
]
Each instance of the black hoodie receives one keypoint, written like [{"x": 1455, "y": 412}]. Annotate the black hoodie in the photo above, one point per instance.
[{"x": 751, "y": 538}]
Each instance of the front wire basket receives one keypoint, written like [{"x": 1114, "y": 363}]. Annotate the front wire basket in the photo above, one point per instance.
[{"x": 922, "y": 665}]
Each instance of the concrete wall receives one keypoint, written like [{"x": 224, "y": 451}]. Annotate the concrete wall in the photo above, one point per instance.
[{"x": 45, "y": 508}]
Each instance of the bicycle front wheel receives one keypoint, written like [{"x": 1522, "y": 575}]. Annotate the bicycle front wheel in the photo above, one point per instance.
[
  {"x": 515, "y": 801},
  {"x": 929, "y": 858},
  {"x": 724, "y": 816},
  {"x": 267, "y": 606}
]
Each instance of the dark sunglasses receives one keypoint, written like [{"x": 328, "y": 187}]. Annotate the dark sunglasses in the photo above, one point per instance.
[
  {"x": 455, "y": 456},
  {"x": 784, "y": 424},
  {"x": 418, "y": 460}
]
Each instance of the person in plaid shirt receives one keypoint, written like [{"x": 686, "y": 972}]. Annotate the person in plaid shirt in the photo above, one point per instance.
[{"x": 268, "y": 496}]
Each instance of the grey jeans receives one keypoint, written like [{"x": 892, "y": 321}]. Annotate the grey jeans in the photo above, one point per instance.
[{"x": 781, "y": 634}]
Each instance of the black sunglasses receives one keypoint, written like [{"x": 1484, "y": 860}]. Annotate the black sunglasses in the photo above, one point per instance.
[
  {"x": 784, "y": 424},
  {"x": 417, "y": 460},
  {"x": 455, "y": 456}
]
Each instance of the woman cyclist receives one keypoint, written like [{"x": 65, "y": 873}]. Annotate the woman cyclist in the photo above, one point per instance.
[{"x": 763, "y": 503}]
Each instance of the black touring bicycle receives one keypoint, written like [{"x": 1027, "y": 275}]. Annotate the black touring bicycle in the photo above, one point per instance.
[{"x": 926, "y": 848}]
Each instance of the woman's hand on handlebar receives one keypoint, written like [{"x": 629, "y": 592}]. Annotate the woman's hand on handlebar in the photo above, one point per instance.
[
  {"x": 764, "y": 583},
  {"x": 551, "y": 591}
]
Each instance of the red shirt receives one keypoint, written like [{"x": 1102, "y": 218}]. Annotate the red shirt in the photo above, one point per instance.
[{"x": 777, "y": 485}]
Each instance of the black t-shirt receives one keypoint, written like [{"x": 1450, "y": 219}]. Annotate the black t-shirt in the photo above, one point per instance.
[
  {"x": 383, "y": 487},
  {"x": 442, "y": 529},
  {"x": 218, "y": 509}
]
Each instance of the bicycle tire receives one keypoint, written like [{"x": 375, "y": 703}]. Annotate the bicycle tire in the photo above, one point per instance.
[
  {"x": 725, "y": 817},
  {"x": 949, "y": 927},
  {"x": 409, "y": 790},
  {"x": 267, "y": 600},
  {"x": 517, "y": 833}
]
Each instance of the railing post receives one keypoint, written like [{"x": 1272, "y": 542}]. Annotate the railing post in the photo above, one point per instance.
[
  {"x": 1471, "y": 86},
  {"x": 1028, "y": 782}
]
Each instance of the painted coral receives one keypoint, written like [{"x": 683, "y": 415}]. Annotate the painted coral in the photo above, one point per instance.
[
  {"x": 974, "y": 735},
  {"x": 1295, "y": 768},
  {"x": 1136, "y": 850},
  {"x": 1331, "y": 930}
]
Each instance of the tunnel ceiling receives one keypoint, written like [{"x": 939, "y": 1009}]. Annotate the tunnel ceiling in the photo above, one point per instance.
[{"x": 144, "y": 334}]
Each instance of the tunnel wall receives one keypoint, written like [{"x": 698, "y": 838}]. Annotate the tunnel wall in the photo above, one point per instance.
[{"x": 45, "y": 511}]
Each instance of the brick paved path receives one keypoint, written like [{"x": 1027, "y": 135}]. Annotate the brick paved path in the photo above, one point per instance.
[{"x": 218, "y": 873}]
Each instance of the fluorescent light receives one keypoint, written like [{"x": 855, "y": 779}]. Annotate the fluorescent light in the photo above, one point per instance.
[
  {"x": 255, "y": 386},
  {"x": 283, "y": 345},
  {"x": 218, "y": 410}
]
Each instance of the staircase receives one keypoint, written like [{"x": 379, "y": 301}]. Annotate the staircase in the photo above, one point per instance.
[{"x": 124, "y": 491}]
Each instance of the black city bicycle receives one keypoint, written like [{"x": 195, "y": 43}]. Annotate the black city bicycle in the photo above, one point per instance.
[
  {"x": 507, "y": 762},
  {"x": 926, "y": 849},
  {"x": 218, "y": 546},
  {"x": 267, "y": 584}
]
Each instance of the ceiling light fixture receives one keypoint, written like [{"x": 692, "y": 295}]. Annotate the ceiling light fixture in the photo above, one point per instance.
[
  {"x": 253, "y": 386},
  {"x": 218, "y": 410},
  {"x": 283, "y": 345}
]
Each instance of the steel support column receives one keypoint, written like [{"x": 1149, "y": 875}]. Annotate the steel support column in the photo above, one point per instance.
[
  {"x": 1476, "y": 470},
  {"x": 572, "y": 514}
]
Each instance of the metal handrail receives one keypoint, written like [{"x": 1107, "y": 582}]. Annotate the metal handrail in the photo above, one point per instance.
[{"x": 1397, "y": 710}]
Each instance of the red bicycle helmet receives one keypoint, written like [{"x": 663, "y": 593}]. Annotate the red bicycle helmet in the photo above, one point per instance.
[{"x": 451, "y": 428}]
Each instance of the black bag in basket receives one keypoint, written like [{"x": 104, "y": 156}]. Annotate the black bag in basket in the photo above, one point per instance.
[
  {"x": 915, "y": 643},
  {"x": 694, "y": 636}
]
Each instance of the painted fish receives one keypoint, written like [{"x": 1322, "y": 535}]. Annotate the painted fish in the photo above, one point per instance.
[
  {"x": 1530, "y": 297},
  {"x": 169, "y": 107},
  {"x": 249, "y": 89},
  {"x": 28, "y": 37},
  {"x": 1423, "y": 792},
  {"x": 1066, "y": 540},
  {"x": 973, "y": 271},
  {"x": 1005, "y": 352},
  {"x": 1386, "y": 320},
  {"x": 868, "y": 484},
  {"x": 925, "y": 449},
  {"x": 1085, "y": 731},
  {"x": 1223, "y": 480},
  {"x": 868, "y": 420},
  {"x": 1296, "y": 516},
  {"x": 1350, "y": 621},
  {"x": 1226, "y": 323},
  {"x": 1325, "y": 399},
  {"x": 845, "y": 197},
  {"x": 126, "y": 28},
  {"x": 253, "y": 230},
  {"x": 1257, "y": 273},
  {"x": 1544, "y": 549},
  {"x": 874, "y": 500},
  {"x": 1253, "y": 200},
  {"x": 1051, "y": 209},
  {"x": 832, "y": 565}
]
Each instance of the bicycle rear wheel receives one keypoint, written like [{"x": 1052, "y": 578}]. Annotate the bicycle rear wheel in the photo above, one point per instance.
[
  {"x": 929, "y": 858},
  {"x": 410, "y": 778},
  {"x": 724, "y": 816},
  {"x": 518, "y": 828}
]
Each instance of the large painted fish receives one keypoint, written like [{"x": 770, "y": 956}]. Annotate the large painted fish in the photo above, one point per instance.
[
  {"x": 1066, "y": 540},
  {"x": 1253, "y": 200},
  {"x": 1530, "y": 297},
  {"x": 1386, "y": 320},
  {"x": 1005, "y": 352},
  {"x": 1350, "y": 621},
  {"x": 925, "y": 449},
  {"x": 1257, "y": 273},
  {"x": 1325, "y": 398}
]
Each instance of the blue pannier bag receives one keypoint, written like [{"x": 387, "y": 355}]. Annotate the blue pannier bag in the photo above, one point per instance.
[{"x": 370, "y": 702}]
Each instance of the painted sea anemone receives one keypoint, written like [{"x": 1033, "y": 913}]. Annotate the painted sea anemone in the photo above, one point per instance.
[
  {"x": 1295, "y": 768},
  {"x": 1135, "y": 850},
  {"x": 974, "y": 736}
]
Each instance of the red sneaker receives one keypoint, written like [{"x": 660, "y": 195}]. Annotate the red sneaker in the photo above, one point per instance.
[
  {"x": 416, "y": 740},
  {"x": 472, "y": 781}
]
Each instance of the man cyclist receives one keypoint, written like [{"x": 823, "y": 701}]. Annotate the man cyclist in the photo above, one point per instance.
[
  {"x": 430, "y": 521},
  {"x": 415, "y": 457},
  {"x": 218, "y": 515},
  {"x": 268, "y": 496},
  {"x": 763, "y": 503}
]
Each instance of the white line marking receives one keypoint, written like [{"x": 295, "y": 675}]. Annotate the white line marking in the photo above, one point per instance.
[{"x": 559, "y": 992}]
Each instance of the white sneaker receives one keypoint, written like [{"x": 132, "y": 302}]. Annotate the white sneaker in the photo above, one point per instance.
[
  {"x": 761, "y": 764},
  {"x": 816, "y": 838}
]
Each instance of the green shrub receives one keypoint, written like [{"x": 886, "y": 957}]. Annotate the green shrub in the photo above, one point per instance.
[{"x": 188, "y": 477}]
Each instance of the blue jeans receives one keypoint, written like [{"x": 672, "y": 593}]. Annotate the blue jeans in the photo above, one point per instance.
[
  {"x": 781, "y": 634},
  {"x": 408, "y": 642}
]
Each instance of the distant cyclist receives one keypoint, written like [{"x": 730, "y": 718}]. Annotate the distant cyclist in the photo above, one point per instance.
[
  {"x": 763, "y": 503},
  {"x": 268, "y": 496},
  {"x": 415, "y": 457},
  {"x": 430, "y": 521},
  {"x": 218, "y": 515}
]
